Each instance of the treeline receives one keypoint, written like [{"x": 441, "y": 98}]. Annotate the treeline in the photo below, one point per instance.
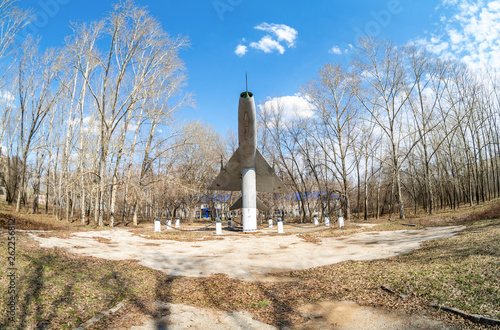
[
  {"x": 397, "y": 129},
  {"x": 90, "y": 129}
]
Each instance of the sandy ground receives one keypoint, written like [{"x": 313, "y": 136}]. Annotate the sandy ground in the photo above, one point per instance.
[
  {"x": 252, "y": 257},
  {"x": 345, "y": 315},
  {"x": 187, "y": 317},
  {"x": 348, "y": 315}
]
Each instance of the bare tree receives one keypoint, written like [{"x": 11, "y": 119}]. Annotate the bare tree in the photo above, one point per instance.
[
  {"x": 38, "y": 93},
  {"x": 197, "y": 161},
  {"x": 283, "y": 143},
  {"x": 159, "y": 116},
  {"x": 141, "y": 64},
  {"x": 333, "y": 96},
  {"x": 384, "y": 97},
  {"x": 12, "y": 20}
]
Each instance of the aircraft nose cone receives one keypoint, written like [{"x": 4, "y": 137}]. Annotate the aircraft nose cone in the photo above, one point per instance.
[{"x": 246, "y": 95}]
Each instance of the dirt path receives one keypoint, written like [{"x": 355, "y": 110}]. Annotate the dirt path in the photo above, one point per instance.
[
  {"x": 252, "y": 257},
  {"x": 246, "y": 257}
]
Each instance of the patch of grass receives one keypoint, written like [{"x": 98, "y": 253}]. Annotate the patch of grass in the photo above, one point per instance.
[
  {"x": 310, "y": 238},
  {"x": 461, "y": 272},
  {"x": 261, "y": 304},
  {"x": 183, "y": 236},
  {"x": 460, "y": 216},
  {"x": 391, "y": 226},
  {"x": 491, "y": 212},
  {"x": 55, "y": 288},
  {"x": 334, "y": 231}
]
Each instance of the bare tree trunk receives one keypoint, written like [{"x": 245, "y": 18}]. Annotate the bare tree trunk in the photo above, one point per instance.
[
  {"x": 96, "y": 205},
  {"x": 135, "y": 213},
  {"x": 379, "y": 184},
  {"x": 47, "y": 190},
  {"x": 400, "y": 195},
  {"x": 113, "y": 201}
]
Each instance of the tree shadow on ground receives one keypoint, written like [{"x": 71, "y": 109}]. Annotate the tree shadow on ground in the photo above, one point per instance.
[{"x": 56, "y": 289}]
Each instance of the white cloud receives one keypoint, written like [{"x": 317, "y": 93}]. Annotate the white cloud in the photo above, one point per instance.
[
  {"x": 456, "y": 37},
  {"x": 7, "y": 97},
  {"x": 293, "y": 106},
  {"x": 343, "y": 48},
  {"x": 268, "y": 45},
  {"x": 282, "y": 31},
  {"x": 132, "y": 127},
  {"x": 272, "y": 42},
  {"x": 91, "y": 129},
  {"x": 495, "y": 6},
  {"x": 241, "y": 50},
  {"x": 469, "y": 32},
  {"x": 439, "y": 48},
  {"x": 89, "y": 125},
  {"x": 335, "y": 50}
]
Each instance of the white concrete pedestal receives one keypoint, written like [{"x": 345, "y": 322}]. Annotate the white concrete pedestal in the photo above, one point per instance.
[
  {"x": 218, "y": 227},
  {"x": 280, "y": 227},
  {"x": 157, "y": 226}
]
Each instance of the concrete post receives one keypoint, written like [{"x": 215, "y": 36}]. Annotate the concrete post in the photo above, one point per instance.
[
  {"x": 157, "y": 225},
  {"x": 229, "y": 223},
  {"x": 218, "y": 227},
  {"x": 177, "y": 223},
  {"x": 341, "y": 221},
  {"x": 169, "y": 224},
  {"x": 280, "y": 226},
  {"x": 327, "y": 221},
  {"x": 271, "y": 223},
  {"x": 316, "y": 221}
]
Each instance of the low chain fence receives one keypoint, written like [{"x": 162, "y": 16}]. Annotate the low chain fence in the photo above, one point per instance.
[{"x": 180, "y": 229}]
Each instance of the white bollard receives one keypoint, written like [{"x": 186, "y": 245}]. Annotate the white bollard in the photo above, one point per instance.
[
  {"x": 169, "y": 224},
  {"x": 341, "y": 222},
  {"x": 218, "y": 227},
  {"x": 177, "y": 223},
  {"x": 327, "y": 221},
  {"x": 157, "y": 226},
  {"x": 270, "y": 223},
  {"x": 316, "y": 221},
  {"x": 229, "y": 223},
  {"x": 280, "y": 226}
]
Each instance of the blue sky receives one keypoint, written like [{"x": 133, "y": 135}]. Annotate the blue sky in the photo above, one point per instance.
[{"x": 283, "y": 44}]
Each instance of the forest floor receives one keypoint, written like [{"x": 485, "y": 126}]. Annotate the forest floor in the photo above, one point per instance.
[{"x": 174, "y": 280}]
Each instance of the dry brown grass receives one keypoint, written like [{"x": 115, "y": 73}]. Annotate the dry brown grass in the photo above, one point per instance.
[
  {"x": 489, "y": 211},
  {"x": 460, "y": 216},
  {"x": 28, "y": 221}
]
